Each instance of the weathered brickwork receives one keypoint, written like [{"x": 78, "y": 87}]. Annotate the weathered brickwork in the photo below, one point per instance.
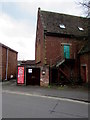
[
  {"x": 12, "y": 64},
  {"x": 50, "y": 42},
  {"x": 55, "y": 47},
  {"x": 4, "y": 57},
  {"x": 55, "y": 52},
  {"x": 89, "y": 68},
  {"x": 39, "y": 45},
  {"x": 44, "y": 76},
  {"x": 8, "y": 58},
  {"x": 0, "y": 62}
]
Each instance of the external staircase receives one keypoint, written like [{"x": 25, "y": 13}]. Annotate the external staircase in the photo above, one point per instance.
[{"x": 61, "y": 61}]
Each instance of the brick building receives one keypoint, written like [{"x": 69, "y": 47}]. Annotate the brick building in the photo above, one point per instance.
[
  {"x": 59, "y": 40},
  {"x": 8, "y": 62}
]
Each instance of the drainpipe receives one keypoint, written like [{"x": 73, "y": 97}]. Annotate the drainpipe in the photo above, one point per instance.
[{"x": 6, "y": 64}]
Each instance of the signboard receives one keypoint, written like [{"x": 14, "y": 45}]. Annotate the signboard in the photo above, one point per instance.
[
  {"x": 29, "y": 70},
  {"x": 20, "y": 77}
]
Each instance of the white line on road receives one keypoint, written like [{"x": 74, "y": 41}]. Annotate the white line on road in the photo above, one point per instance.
[{"x": 43, "y": 96}]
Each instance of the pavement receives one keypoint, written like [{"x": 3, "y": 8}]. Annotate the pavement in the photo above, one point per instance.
[{"x": 79, "y": 93}]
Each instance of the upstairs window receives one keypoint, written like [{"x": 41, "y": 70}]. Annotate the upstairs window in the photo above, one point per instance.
[{"x": 62, "y": 26}]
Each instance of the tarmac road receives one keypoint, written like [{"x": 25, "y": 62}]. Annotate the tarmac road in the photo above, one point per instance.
[
  {"x": 23, "y": 105},
  {"x": 76, "y": 93}
]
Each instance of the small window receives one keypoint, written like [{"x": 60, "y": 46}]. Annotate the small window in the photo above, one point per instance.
[
  {"x": 80, "y": 28},
  {"x": 62, "y": 26}
]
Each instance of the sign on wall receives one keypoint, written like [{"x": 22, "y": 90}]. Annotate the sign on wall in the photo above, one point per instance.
[
  {"x": 20, "y": 77},
  {"x": 29, "y": 70}
]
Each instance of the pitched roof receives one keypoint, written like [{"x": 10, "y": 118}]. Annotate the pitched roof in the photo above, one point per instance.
[
  {"x": 70, "y": 25},
  {"x": 2, "y": 45}
]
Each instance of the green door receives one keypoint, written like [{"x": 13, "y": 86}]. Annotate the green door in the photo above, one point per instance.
[{"x": 66, "y": 51}]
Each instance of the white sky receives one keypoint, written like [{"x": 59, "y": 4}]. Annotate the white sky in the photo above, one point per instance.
[{"x": 18, "y": 20}]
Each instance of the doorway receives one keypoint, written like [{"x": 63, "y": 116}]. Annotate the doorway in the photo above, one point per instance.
[
  {"x": 66, "y": 51},
  {"x": 33, "y": 76}
]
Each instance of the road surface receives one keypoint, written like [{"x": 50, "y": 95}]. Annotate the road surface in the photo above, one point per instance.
[{"x": 23, "y": 105}]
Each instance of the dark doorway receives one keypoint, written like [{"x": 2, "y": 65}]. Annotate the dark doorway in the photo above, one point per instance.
[
  {"x": 53, "y": 76},
  {"x": 32, "y": 76}
]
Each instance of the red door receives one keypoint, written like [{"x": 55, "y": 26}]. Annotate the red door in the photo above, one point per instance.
[{"x": 84, "y": 73}]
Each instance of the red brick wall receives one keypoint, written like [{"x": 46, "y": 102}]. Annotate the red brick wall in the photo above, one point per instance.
[
  {"x": 12, "y": 63},
  {"x": 4, "y": 57},
  {"x": 49, "y": 49},
  {"x": 84, "y": 61},
  {"x": 39, "y": 45},
  {"x": 89, "y": 68},
  {"x": 0, "y": 62},
  {"x": 54, "y": 47},
  {"x": 44, "y": 76}
]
